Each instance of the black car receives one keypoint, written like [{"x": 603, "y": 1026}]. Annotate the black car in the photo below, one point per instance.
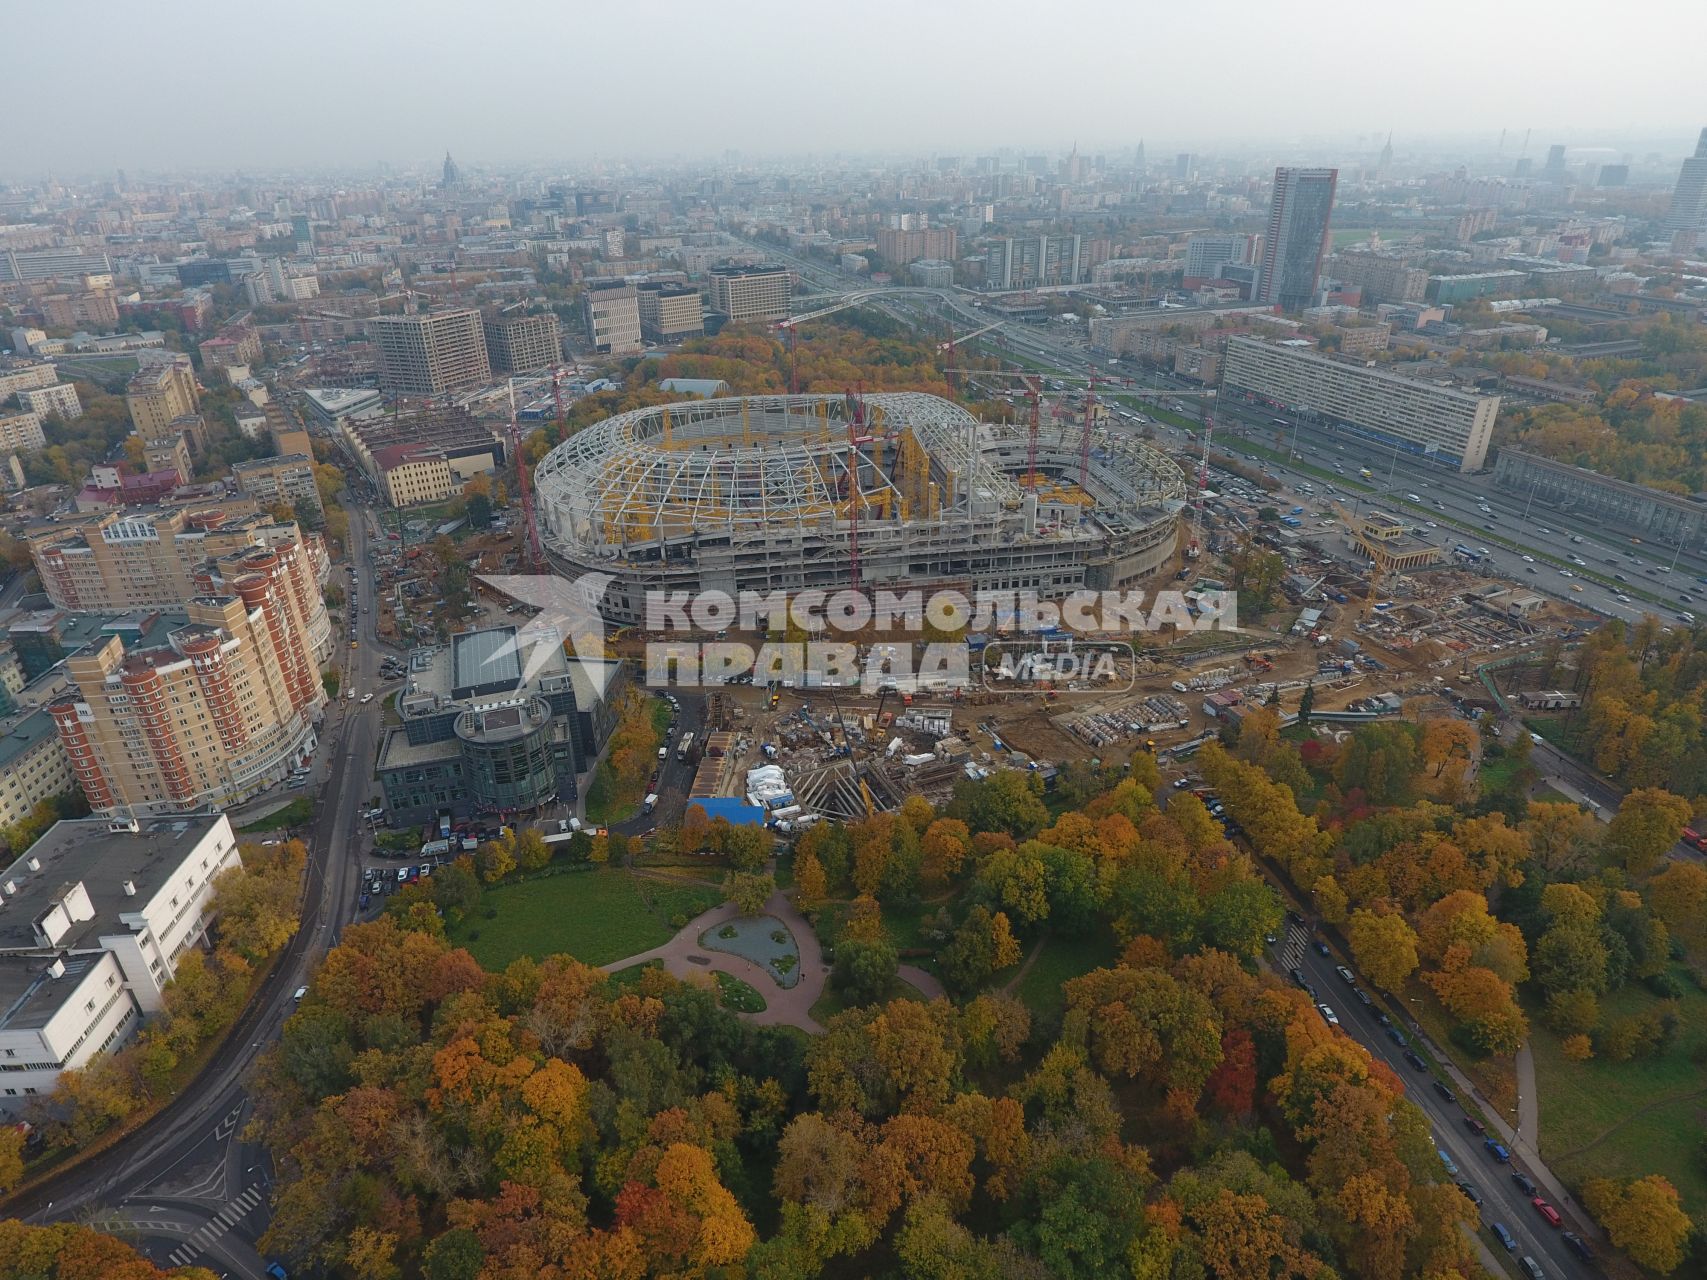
[
  {"x": 1523, "y": 1183},
  {"x": 1382, "y": 1018},
  {"x": 1297, "y": 976},
  {"x": 1577, "y": 1245},
  {"x": 1397, "y": 1037},
  {"x": 1363, "y": 997},
  {"x": 1443, "y": 1091},
  {"x": 1470, "y": 1192},
  {"x": 1293, "y": 917},
  {"x": 1321, "y": 947},
  {"x": 1415, "y": 1062}
]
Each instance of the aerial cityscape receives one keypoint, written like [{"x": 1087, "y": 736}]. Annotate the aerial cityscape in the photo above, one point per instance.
[{"x": 748, "y": 645}]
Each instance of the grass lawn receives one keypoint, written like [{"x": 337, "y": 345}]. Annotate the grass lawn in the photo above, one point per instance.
[
  {"x": 1061, "y": 959},
  {"x": 595, "y": 916},
  {"x": 736, "y": 995},
  {"x": 298, "y": 812},
  {"x": 1495, "y": 1077},
  {"x": 1626, "y": 1119}
]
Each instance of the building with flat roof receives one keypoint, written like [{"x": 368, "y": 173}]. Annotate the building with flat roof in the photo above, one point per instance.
[
  {"x": 1440, "y": 423},
  {"x": 427, "y": 355},
  {"x": 1207, "y": 253},
  {"x": 289, "y": 478},
  {"x": 612, "y": 314},
  {"x": 33, "y": 765},
  {"x": 96, "y": 917},
  {"x": 746, "y": 294},
  {"x": 158, "y": 394},
  {"x": 519, "y": 343},
  {"x": 1664, "y": 518},
  {"x": 900, "y": 247},
  {"x": 20, "y": 432},
  {"x": 23, "y": 377},
  {"x": 433, "y": 451},
  {"x": 1298, "y": 218},
  {"x": 59, "y": 399},
  {"x": 670, "y": 312},
  {"x": 1382, "y": 278},
  {"x": 1025, "y": 262},
  {"x": 329, "y": 406},
  {"x": 484, "y": 735}
]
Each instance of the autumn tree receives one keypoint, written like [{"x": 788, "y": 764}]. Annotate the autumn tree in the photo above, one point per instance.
[
  {"x": 1644, "y": 1218},
  {"x": 1646, "y": 826},
  {"x": 1384, "y": 946}
]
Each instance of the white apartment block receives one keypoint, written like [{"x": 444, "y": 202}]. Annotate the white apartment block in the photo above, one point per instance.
[
  {"x": 28, "y": 376},
  {"x": 94, "y": 919},
  {"x": 20, "y": 431},
  {"x": 428, "y": 355},
  {"x": 60, "y": 398},
  {"x": 1441, "y": 423}
]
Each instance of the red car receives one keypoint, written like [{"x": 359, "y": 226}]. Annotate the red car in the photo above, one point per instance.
[{"x": 1548, "y": 1212}]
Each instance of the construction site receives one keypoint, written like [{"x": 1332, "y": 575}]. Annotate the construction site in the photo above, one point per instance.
[{"x": 896, "y": 489}]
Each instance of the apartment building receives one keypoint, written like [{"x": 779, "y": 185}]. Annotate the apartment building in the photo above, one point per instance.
[
  {"x": 1206, "y": 254},
  {"x": 222, "y": 710},
  {"x": 96, "y": 918},
  {"x": 746, "y": 294},
  {"x": 289, "y": 478},
  {"x": 427, "y": 355},
  {"x": 898, "y": 247},
  {"x": 1382, "y": 278},
  {"x": 1024, "y": 262},
  {"x": 24, "y": 377},
  {"x": 133, "y": 559},
  {"x": 91, "y": 309},
  {"x": 169, "y": 453},
  {"x": 33, "y": 765},
  {"x": 670, "y": 312},
  {"x": 159, "y": 394},
  {"x": 517, "y": 343},
  {"x": 1441, "y": 423},
  {"x": 59, "y": 399},
  {"x": 612, "y": 314},
  {"x": 20, "y": 432}
]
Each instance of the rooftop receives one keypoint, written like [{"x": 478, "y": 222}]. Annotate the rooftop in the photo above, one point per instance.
[
  {"x": 30, "y": 994},
  {"x": 88, "y": 851}
]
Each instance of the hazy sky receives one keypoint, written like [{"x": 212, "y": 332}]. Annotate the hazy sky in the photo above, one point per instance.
[{"x": 103, "y": 84}]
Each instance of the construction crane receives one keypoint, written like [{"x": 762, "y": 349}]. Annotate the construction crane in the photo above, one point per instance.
[
  {"x": 1194, "y": 547},
  {"x": 858, "y": 435},
  {"x": 535, "y": 553},
  {"x": 792, "y": 323},
  {"x": 953, "y": 342}
]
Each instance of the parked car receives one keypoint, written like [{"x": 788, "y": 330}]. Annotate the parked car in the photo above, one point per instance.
[
  {"x": 1475, "y": 1126},
  {"x": 1548, "y": 1212},
  {"x": 1363, "y": 997},
  {"x": 1397, "y": 1037},
  {"x": 1446, "y": 1160},
  {"x": 1345, "y": 974},
  {"x": 1523, "y": 1183},
  {"x": 1532, "y": 1268},
  {"x": 1504, "y": 1236},
  {"x": 1441, "y": 1088},
  {"x": 1577, "y": 1245},
  {"x": 1497, "y": 1150},
  {"x": 1470, "y": 1193},
  {"x": 1416, "y": 1063},
  {"x": 1328, "y": 1015}
]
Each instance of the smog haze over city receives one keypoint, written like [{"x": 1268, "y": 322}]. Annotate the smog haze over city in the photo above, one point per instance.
[{"x": 328, "y": 84}]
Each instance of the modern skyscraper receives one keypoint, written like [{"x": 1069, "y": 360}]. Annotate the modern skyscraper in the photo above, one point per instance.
[
  {"x": 1689, "y": 197},
  {"x": 452, "y": 175},
  {"x": 1182, "y": 165},
  {"x": 428, "y": 355},
  {"x": 1554, "y": 169},
  {"x": 1386, "y": 161},
  {"x": 1297, "y": 236}
]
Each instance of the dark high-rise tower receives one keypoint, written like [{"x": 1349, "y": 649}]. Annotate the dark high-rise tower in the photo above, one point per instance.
[
  {"x": 1689, "y": 196},
  {"x": 1297, "y": 236},
  {"x": 1386, "y": 161},
  {"x": 453, "y": 175}
]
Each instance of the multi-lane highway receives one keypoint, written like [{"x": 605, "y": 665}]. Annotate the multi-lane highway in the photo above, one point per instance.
[
  {"x": 1503, "y": 1200},
  {"x": 186, "y": 1185}
]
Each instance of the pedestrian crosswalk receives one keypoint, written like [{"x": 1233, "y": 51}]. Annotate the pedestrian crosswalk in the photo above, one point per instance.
[
  {"x": 1291, "y": 950},
  {"x": 216, "y": 1226}
]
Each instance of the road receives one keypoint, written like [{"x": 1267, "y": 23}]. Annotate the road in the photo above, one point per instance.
[
  {"x": 188, "y": 1166},
  {"x": 1502, "y": 1200}
]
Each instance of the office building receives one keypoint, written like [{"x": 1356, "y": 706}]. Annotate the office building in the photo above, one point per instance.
[
  {"x": 1382, "y": 278},
  {"x": 612, "y": 316},
  {"x": 1297, "y": 236},
  {"x": 1476, "y": 284},
  {"x": 29, "y": 267},
  {"x": 288, "y": 479},
  {"x": 59, "y": 399},
  {"x": 133, "y": 559},
  {"x": 482, "y": 735},
  {"x": 20, "y": 432},
  {"x": 1024, "y": 262},
  {"x": 898, "y": 247},
  {"x": 98, "y": 915},
  {"x": 1182, "y": 166},
  {"x": 1206, "y": 254},
  {"x": 1440, "y": 423},
  {"x": 1688, "y": 212},
  {"x": 518, "y": 343},
  {"x": 158, "y": 394},
  {"x": 746, "y": 294},
  {"x": 670, "y": 312},
  {"x": 932, "y": 273},
  {"x": 225, "y": 708},
  {"x": 427, "y": 355}
]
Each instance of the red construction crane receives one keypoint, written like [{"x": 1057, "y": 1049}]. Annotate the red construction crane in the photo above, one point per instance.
[{"x": 953, "y": 342}]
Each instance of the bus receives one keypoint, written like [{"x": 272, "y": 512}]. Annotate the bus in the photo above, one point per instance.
[{"x": 684, "y": 746}]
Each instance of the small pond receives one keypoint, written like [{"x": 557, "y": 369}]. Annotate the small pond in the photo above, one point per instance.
[{"x": 764, "y": 940}]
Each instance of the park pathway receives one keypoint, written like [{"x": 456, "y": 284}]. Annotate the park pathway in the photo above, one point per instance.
[{"x": 784, "y": 1006}]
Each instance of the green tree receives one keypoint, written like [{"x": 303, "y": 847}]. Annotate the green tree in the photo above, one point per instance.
[
  {"x": 748, "y": 891},
  {"x": 1646, "y": 826},
  {"x": 864, "y": 971}
]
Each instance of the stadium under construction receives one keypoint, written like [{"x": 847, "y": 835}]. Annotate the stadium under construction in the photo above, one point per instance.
[{"x": 891, "y": 490}]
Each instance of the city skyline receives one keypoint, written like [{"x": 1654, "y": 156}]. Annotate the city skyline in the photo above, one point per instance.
[{"x": 341, "y": 87}]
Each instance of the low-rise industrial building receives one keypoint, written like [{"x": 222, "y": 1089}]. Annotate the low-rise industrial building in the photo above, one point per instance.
[{"x": 1630, "y": 508}]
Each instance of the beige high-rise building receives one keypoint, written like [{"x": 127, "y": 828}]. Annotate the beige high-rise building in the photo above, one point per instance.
[
  {"x": 428, "y": 355},
  {"x": 285, "y": 479},
  {"x": 751, "y": 293},
  {"x": 517, "y": 343},
  {"x": 224, "y": 709},
  {"x": 20, "y": 432},
  {"x": 159, "y": 393},
  {"x": 670, "y": 312},
  {"x": 613, "y": 317},
  {"x": 122, "y": 560}
]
